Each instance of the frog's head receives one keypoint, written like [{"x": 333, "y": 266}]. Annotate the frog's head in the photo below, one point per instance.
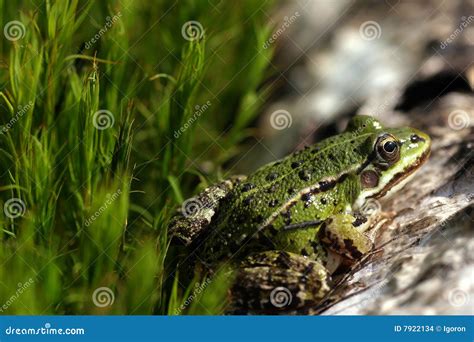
[{"x": 395, "y": 154}]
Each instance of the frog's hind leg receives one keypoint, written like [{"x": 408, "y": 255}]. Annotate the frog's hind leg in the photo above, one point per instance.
[
  {"x": 278, "y": 281},
  {"x": 195, "y": 213}
]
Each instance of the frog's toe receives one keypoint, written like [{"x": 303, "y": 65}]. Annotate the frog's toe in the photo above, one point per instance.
[{"x": 279, "y": 281}]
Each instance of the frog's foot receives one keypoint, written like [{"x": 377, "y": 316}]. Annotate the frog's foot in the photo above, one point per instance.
[
  {"x": 279, "y": 281},
  {"x": 386, "y": 216},
  {"x": 196, "y": 213},
  {"x": 343, "y": 235},
  {"x": 371, "y": 224}
]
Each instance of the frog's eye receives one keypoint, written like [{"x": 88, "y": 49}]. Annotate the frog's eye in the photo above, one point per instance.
[{"x": 388, "y": 148}]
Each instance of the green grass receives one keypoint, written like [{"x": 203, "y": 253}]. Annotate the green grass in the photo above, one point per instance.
[{"x": 90, "y": 206}]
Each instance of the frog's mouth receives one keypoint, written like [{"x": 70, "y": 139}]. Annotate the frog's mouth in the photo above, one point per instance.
[{"x": 403, "y": 175}]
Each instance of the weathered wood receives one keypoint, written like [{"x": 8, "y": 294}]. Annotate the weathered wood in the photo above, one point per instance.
[{"x": 425, "y": 263}]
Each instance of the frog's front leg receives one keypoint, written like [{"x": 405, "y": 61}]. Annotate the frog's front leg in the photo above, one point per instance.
[
  {"x": 344, "y": 235},
  {"x": 278, "y": 280},
  {"x": 195, "y": 213}
]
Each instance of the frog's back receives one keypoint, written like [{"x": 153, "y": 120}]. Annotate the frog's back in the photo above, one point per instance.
[{"x": 260, "y": 202}]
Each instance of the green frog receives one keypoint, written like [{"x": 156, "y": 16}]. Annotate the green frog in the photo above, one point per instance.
[{"x": 291, "y": 224}]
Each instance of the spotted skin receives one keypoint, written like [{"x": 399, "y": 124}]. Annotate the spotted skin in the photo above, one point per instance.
[
  {"x": 278, "y": 280},
  {"x": 306, "y": 206}
]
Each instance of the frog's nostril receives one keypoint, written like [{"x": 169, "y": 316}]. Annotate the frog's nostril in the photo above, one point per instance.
[{"x": 416, "y": 138}]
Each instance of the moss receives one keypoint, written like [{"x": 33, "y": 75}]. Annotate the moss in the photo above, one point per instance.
[{"x": 91, "y": 168}]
